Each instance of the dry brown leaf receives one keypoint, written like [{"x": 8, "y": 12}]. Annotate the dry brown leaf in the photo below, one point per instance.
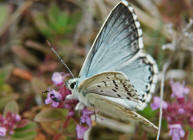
[
  {"x": 40, "y": 136},
  {"x": 23, "y": 74}
]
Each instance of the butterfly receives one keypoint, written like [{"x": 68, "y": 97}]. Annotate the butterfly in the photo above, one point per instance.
[{"x": 118, "y": 77}]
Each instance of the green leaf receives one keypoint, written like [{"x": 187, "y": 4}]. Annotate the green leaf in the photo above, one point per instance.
[
  {"x": 30, "y": 135},
  {"x": 12, "y": 106},
  {"x": 4, "y": 8},
  {"x": 148, "y": 112},
  {"x": 5, "y": 73},
  {"x": 55, "y": 23},
  {"x": 50, "y": 115},
  {"x": 29, "y": 126},
  {"x": 28, "y": 132},
  {"x": 5, "y": 100},
  {"x": 190, "y": 134},
  {"x": 71, "y": 127}
]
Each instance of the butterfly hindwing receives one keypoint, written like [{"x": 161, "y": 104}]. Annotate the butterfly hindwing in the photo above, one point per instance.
[
  {"x": 119, "y": 39},
  {"x": 111, "y": 84},
  {"x": 113, "y": 110},
  {"x": 142, "y": 72}
]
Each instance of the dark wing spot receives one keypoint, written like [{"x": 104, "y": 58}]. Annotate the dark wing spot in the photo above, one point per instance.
[
  {"x": 118, "y": 95},
  {"x": 114, "y": 90},
  {"x": 114, "y": 82},
  {"x": 128, "y": 93},
  {"x": 150, "y": 69},
  {"x": 105, "y": 83},
  {"x": 108, "y": 78},
  {"x": 128, "y": 98},
  {"x": 101, "y": 91},
  {"x": 98, "y": 86},
  {"x": 143, "y": 100}
]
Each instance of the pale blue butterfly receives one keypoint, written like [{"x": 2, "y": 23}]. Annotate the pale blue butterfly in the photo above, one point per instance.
[{"x": 117, "y": 77}]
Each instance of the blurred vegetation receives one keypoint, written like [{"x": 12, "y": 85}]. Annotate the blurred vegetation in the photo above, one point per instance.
[{"x": 26, "y": 62}]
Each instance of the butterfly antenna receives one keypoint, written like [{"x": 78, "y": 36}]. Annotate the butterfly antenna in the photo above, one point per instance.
[{"x": 54, "y": 51}]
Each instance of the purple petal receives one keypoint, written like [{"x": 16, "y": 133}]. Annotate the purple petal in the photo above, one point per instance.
[
  {"x": 11, "y": 132},
  {"x": 48, "y": 101},
  {"x": 3, "y": 131},
  {"x": 178, "y": 89},
  {"x": 57, "y": 78},
  {"x": 181, "y": 110},
  {"x": 89, "y": 121},
  {"x": 87, "y": 112},
  {"x": 156, "y": 103},
  {"x": 55, "y": 104},
  {"x": 80, "y": 131},
  {"x": 85, "y": 118},
  {"x": 17, "y": 118},
  {"x": 176, "y": 131},
  {"x": 82, "y": 119},
  {"x": 191, "y": 119},
  {"x": 71, "y": 113},
  {"x": 186, "y": 90},
  {"x": 55, "y": 93}
]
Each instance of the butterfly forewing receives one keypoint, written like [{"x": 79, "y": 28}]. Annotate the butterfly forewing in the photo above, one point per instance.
[{"x": 119, "y": 40}]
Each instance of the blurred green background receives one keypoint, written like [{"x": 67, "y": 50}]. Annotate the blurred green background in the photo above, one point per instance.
[{"x": 27, "y": 63}]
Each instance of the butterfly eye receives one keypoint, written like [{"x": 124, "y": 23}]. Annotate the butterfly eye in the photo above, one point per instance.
[{"x": 72, "y": 85}]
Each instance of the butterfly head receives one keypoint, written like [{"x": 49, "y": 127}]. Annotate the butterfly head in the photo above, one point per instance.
[{"x": 72, "y": 84}]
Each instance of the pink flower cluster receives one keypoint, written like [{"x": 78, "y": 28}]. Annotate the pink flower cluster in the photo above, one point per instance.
[
  {"x": 58, "y": 100},
  {"x": 179, "y": 112},
  {"x": 8, "y": 123}
]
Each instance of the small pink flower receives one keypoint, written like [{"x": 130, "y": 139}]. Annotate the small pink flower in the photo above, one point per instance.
[
  {"x": 178, "y": 90},
  {"x": 85, "y": 118},
  {"x": 17, "y": 118},
  {"x": 53, "y": 98},
  {"x": 181, "y": 111},
  {"x": 176, "y": 131},
  {"x": 156, "y": 103},
  {"x": 57, "y": 78},
  {"x": 80, "y": 131},
  {"x": 3, "y": 131}
]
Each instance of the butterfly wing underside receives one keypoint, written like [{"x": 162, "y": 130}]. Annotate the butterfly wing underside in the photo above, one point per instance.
[
  {"x": 119, "y": 47},
  {"x": 111, "y": 84},
  {"x": 113, "y": 110}
]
